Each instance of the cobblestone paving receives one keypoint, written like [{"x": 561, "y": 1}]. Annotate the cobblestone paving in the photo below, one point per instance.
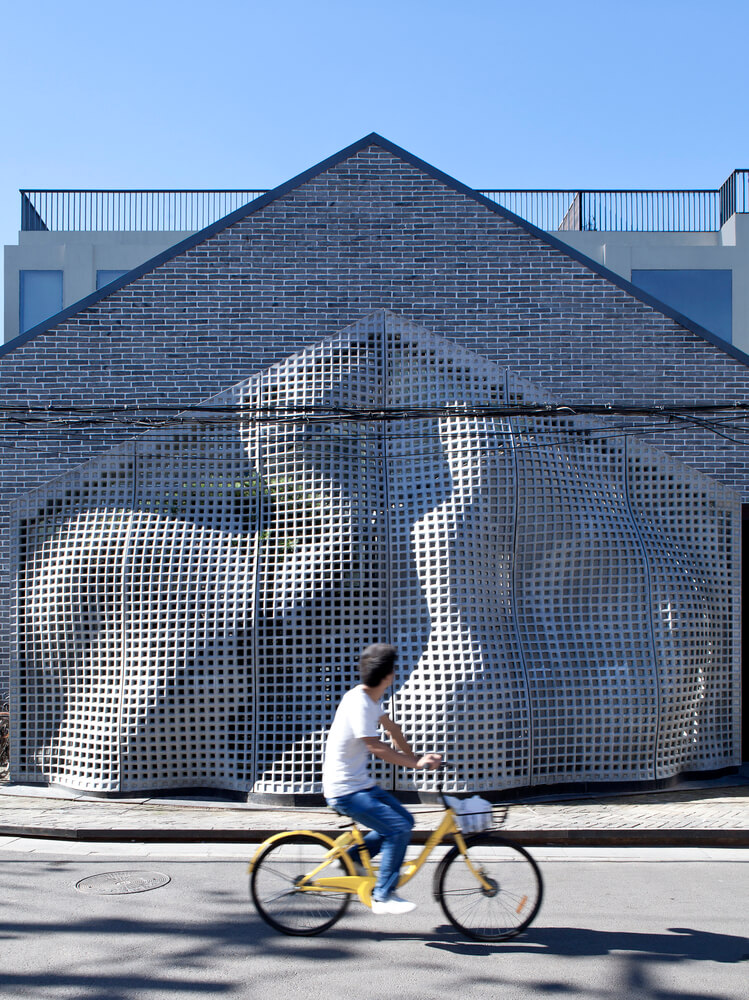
[{"x": 720, "y": 807}]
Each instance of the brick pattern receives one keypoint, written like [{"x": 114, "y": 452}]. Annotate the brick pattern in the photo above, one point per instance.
[{"x": 371, "y": 232}]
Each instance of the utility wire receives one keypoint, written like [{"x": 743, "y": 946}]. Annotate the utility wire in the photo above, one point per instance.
[
  {"x": 728, "y": 420},
  {"x": 139, "y": 412}
]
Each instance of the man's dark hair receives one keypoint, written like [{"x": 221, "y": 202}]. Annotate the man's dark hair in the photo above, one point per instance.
[{"x": 376, "y": 663}]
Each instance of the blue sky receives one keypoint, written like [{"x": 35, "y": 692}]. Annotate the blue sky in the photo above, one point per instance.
[{"x": 243, "y": 94}]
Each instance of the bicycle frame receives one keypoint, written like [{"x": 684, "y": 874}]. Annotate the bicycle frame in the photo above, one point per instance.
[{"x": 362, "y": 885}]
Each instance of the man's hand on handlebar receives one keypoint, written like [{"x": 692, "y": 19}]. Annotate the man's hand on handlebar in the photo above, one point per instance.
[{"x": 430, "y": 761}]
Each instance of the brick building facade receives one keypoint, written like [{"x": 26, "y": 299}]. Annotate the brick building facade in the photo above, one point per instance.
[{"x": 371, "y": 228}]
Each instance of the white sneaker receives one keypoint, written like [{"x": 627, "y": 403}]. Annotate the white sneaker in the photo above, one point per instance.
[{"x": 392, "y": 905}]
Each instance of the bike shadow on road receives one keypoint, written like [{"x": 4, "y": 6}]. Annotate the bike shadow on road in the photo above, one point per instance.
[{"x": 677, "y": 944}]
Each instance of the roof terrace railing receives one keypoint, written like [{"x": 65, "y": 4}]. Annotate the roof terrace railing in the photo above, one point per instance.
[
  {"x": 734, "y": 195},
  {"x": 615, "y": 211},
  {"x": 693, "y": 211},
  {"x": 554, "y": 211},
  {"x": 128, "y": 211}
]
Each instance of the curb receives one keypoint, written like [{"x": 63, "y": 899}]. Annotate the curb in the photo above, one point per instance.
[{"x": 529, "y": 838}]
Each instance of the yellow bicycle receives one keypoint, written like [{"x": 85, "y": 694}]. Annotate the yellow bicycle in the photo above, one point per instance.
[{"x": 489, "y": 887}]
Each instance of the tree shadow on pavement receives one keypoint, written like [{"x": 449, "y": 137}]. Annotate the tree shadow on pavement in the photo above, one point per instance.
[
  {"x": 145, "y": 959},
  {"x": 640, "y": 957}
]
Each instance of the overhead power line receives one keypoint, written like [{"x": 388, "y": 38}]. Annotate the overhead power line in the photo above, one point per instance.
[
  {"x": 18, "y": 412},
  {"x": 726, "y": 419}
]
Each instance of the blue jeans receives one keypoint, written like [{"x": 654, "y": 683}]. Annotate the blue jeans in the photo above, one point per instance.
[{"x": 391, "y": 826}]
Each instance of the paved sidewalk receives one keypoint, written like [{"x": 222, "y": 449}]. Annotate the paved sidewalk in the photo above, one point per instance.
[{"x": 691, "y": 814}]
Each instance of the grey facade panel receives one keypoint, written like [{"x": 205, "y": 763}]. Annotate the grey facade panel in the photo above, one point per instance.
[
  {"x": 190, "y": 605},
  {"x": 371, "y": 231}
]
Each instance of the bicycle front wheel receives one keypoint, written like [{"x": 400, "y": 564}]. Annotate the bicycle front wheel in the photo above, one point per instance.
[
  {"x": 497, "y": 902},
  {"x": 278, "y": 880}
]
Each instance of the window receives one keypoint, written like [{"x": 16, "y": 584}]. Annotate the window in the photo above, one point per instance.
[
  {"x": 104, "y": 277},
  {"x": 704, "y": 296},
  {"x": 40, "y": 296}
]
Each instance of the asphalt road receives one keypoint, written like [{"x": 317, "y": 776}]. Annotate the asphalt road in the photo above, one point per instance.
[{"x": 627, "y": 924}]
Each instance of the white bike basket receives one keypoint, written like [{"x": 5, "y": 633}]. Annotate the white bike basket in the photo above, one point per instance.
[{"x": 473, "y": 815}]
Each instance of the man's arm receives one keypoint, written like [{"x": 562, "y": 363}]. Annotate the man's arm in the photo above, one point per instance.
[
  {"x": 395, "y": 733},
  {"x": 404, "y": 755}
]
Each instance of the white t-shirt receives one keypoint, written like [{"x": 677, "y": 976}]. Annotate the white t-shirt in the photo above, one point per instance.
[{"x": 346, "y": 766}]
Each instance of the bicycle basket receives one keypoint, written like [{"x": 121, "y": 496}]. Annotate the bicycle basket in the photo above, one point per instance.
[{"x": 473, "y": 815}]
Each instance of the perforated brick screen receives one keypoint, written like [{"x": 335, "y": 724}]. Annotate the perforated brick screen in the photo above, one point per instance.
[{"x": 190, "y": 607}]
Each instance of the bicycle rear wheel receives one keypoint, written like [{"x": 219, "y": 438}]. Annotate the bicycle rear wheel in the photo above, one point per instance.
[
  {"x": 507, "y": 900},
  {"x": 276, "y": 892}
]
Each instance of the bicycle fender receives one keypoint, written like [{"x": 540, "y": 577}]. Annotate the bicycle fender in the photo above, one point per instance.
[{"x": 290, "y": 833}]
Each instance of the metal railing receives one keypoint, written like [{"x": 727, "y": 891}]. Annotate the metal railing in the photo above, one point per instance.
[
  {"x": 680, "y": 211},
  {"x": 128, "y": 211},
  {"x": 615, "y": 211},
  {"x": 734, "y": 195},
  {"x": 188, "y": 211}
]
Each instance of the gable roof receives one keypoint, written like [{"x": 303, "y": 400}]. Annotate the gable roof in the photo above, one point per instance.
[{"x": 373, "y": 139}]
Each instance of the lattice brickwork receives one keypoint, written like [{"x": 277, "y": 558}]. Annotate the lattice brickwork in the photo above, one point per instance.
[{"x": 190, "y": 607}]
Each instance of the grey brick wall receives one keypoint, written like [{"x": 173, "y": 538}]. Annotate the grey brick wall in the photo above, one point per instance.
[{"x": 372, "y": 231}]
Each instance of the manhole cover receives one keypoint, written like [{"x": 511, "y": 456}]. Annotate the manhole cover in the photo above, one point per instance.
[{"x": 116, "y": 883}]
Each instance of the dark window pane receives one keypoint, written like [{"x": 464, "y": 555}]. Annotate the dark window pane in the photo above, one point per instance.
[
  {"x": 703, "y": 296},
  {"x": 40, "y": 296},
  {"x": 104, "y": 277}
]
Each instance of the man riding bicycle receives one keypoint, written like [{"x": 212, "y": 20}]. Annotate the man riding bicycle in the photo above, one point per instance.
[{"x": 347, "y": 786}]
